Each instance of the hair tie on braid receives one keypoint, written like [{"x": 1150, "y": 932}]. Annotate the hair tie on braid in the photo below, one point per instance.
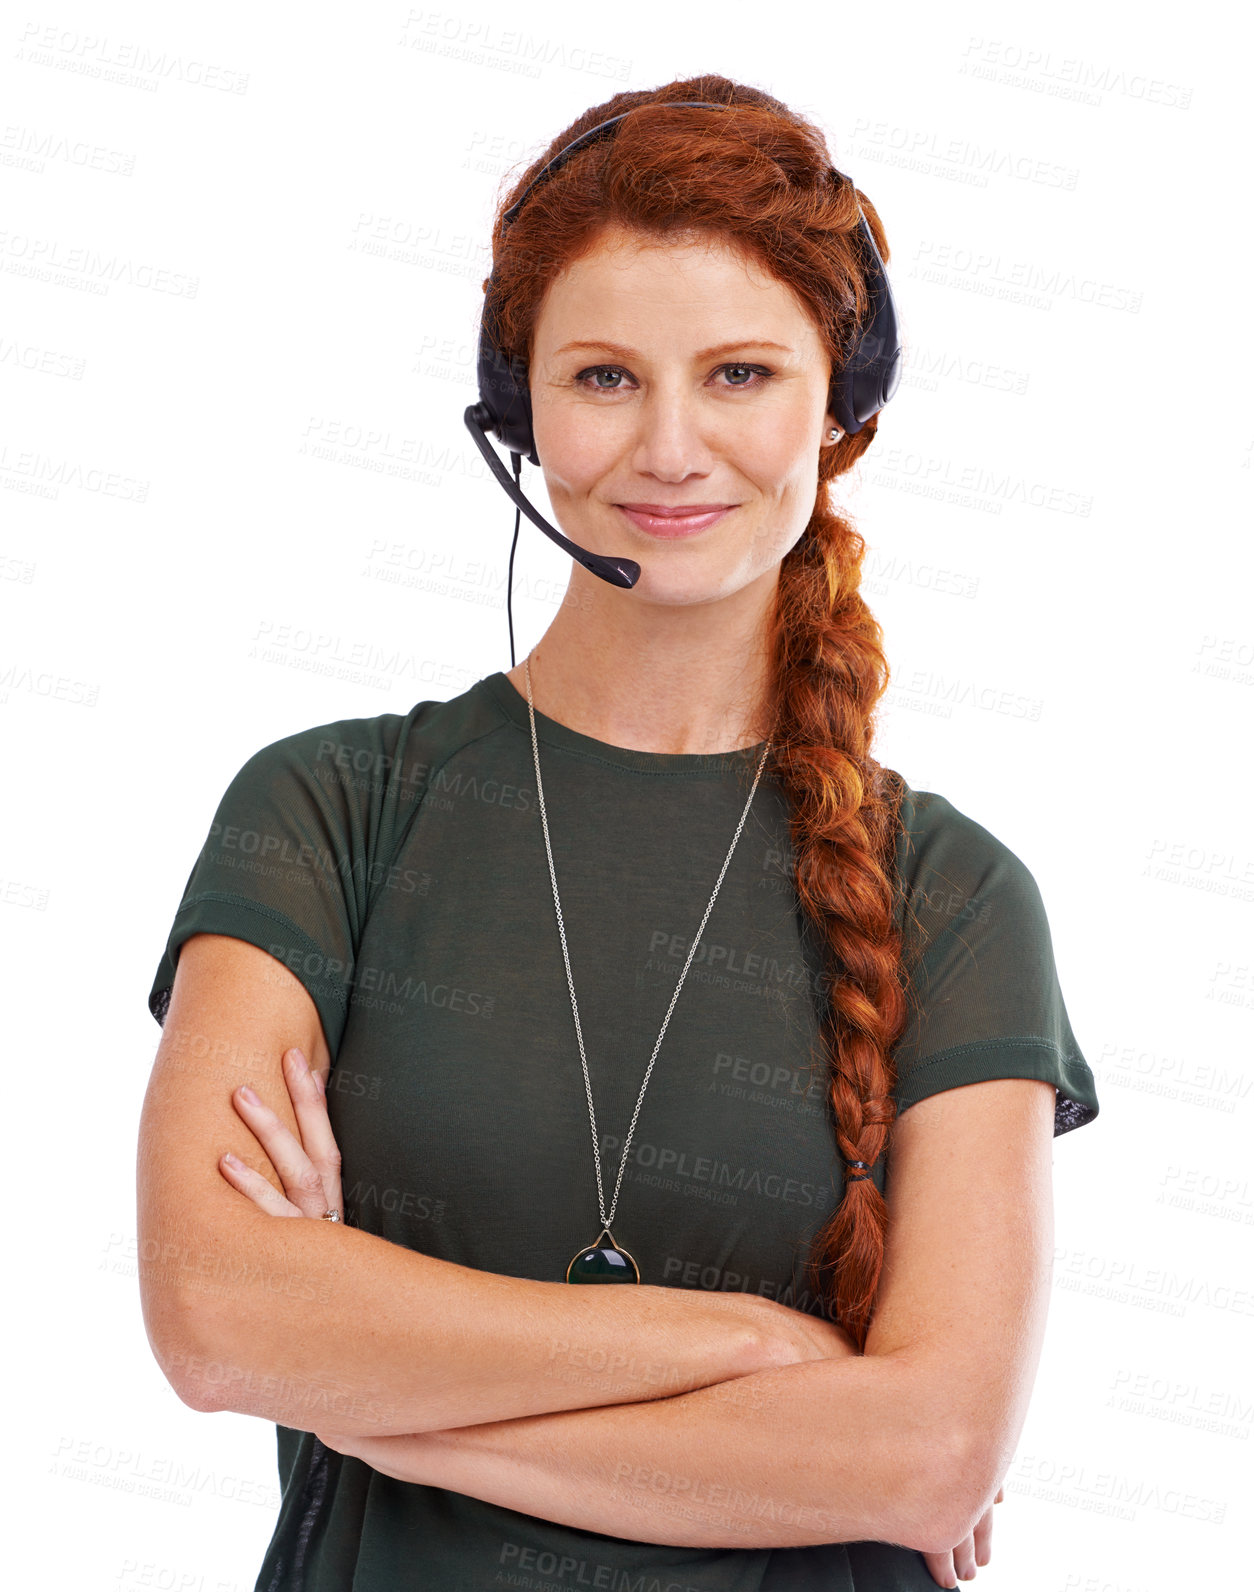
[{"x": 858, "y": 1176}]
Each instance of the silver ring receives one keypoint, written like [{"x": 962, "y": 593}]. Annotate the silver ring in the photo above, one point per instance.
[{"x": 332, "y": 1216}]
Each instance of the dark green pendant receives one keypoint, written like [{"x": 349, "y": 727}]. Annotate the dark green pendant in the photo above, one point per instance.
[{"x": 603, "y": 1262}]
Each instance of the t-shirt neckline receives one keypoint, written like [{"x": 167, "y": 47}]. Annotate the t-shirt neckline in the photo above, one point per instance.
[{"x": 553, "y": 733}]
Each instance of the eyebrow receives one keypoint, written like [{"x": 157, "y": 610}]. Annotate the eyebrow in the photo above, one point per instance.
[{"x": 624, "y": 352}]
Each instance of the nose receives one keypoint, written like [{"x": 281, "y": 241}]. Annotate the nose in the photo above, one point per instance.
[{"x": 671, "y": 439}]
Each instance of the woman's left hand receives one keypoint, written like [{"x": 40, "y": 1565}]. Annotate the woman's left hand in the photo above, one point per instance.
[
  {"x": 945, "y": 1568},
  {"x": 309, "y": 1167}
]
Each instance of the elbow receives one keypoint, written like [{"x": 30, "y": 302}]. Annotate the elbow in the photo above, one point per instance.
[
  {"x": 196, "y": 1395},
  {"x": 192, "y": 1375},
  {"x": 962, "y": 1487},
  {"x": 177, "y": 1336}
]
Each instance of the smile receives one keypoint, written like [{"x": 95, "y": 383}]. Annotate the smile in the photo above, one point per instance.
[{"x": 674, "y": 523}]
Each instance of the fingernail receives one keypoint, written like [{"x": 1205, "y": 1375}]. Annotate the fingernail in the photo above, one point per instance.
[
  {"x": 232, "y": 1160},
  {"x": 299, "y": 1061},
  {"x": 247, "y": 1094},
  {"x": 321, "y": 1082}
]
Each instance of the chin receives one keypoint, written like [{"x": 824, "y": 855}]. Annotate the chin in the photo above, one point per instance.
[{"x": 686, "y": 589}]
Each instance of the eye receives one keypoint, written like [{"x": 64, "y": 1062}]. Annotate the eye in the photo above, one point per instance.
[
  {"x": 599, "y": 370},
  {"x": 760, "y": 372}
]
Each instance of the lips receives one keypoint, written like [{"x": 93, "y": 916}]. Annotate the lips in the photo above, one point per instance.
[{"x": 682, "y": 520}]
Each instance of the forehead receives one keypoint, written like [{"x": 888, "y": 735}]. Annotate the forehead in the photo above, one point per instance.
[{"x": 630, "y": 276}]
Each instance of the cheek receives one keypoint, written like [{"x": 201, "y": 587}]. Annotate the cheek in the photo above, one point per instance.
[
  {"x": 574, "y": 450},
  {"x": 775, "y": 459}
]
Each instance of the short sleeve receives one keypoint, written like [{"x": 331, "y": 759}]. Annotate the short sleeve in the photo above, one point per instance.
[
  {"x": 984, "y": 999},
  {"x": 297, "y": 846}
]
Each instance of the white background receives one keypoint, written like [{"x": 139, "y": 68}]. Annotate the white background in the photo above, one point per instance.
[{"x": 231, "y": 237}]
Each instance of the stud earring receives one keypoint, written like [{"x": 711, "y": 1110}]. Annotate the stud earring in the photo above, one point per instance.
[{"x": 834, "y": 436}]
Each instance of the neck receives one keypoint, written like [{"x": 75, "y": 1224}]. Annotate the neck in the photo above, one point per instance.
[{"x": 654, "y": 677}]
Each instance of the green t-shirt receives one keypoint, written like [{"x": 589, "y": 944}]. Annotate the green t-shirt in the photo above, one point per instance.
[{"x": 397, "y": 866}]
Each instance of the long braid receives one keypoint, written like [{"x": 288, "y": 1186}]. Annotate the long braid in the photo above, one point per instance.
[{"x": 829, "y": 673}]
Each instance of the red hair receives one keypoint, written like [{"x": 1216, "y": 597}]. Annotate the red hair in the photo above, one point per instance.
[{"x": 757, "y": 176}]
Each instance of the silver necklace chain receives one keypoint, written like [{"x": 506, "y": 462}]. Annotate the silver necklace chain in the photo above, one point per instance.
[{"x": 574, "y": 1005}]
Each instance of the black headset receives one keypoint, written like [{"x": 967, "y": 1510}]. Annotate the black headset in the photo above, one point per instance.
[{"x": 858, "y": 389}]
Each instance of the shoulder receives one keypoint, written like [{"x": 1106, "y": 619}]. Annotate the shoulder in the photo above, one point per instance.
[
  {"x": 984, "y": 996},
  {"x": 953, "y": 871},
  {"x": 386, "y": 756}
]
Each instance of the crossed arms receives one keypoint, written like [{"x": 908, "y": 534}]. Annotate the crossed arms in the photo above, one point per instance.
[{"x": 729, "y": 1424}]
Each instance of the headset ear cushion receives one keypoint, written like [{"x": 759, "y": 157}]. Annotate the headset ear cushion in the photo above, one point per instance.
[
  {"x": 504, "y": 393},
  {"x": 892, "y": 378},
  {"x": 516, "y": 419},
  {"x": 872, "y": 372}
]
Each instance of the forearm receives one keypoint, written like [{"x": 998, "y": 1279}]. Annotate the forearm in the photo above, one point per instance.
[
  {"x": 311, "y": 1325},
  {"x": 827, "y": 1451}
]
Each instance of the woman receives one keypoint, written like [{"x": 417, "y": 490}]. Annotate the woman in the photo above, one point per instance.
[{"x": 460, "y": 928}]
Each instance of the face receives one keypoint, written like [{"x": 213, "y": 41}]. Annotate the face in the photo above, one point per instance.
[{"x": 672, "y": 375}]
